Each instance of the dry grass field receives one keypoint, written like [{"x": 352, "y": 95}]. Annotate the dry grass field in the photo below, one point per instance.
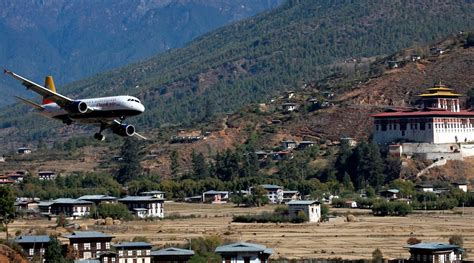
[{"x": 337, "y": 238}]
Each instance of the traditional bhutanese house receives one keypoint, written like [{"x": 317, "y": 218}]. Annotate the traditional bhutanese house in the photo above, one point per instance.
[
  {"x": 133, "y": 252},
  {"x": 390, "y": 194},
  {"x": 44, "y": 207},
  {"x": 350, "y": 204},
  {"x": 289, "y": 107},
  {"x": 24, "y": 150},
  {"x": 89, "y": 244},
  {"x": 172, "y": 255},
  {"x": 274, "y": 193},
  {"x": 311, "y": 208},
  {"x": 243, "y": 252},
  {"x": 440, "y": 120},
  {"x": 460, "y": 185},
  {"x": 215, "y": 197},
  {"x": 97, "y": 199},
  {"x": 290, "y": 195},
  {"x": 157, "y": 194},
  {"x": 435, "y": 253},
  {"x": 261, "y": 155},
  {"x": 4, "y": 180},
  {"x": 16, "y": 177},
  {"x": 350, "y": 142},
  {"x": 46, "y": 175},
  {"x": 424, "y": 187},
  {"x": 71, "y": 207},
  {"x": 33, "y": 246},
  {"x": 288, "y": 144},
  {"x": 26, "y": 204},
  {"x": 305, "y": 144},
  {"x": 144, "y": 206},
  {"x": 281, "y": 155}
]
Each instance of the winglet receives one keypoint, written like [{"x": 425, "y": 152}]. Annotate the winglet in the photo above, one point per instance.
[{"x": 5, "y": 71}]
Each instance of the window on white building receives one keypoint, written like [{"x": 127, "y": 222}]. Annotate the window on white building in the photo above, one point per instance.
[
  {"x": 98, "y": 245},
  {"x": 130, "y": 253},
  {"x": 107, "y": 245},
  {"x": 76, "y": 246},
  {"x": 139, "y": 252},
  {"x": 87, "y": 246},
  {"x": 31, "y": 252}
]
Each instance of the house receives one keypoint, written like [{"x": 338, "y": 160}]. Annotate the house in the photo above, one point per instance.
[
  {"x": 194, "y": 199},
  {"x": 461, "y": 185},
  {"x": 261, "y": 155},
  {"x": 26, "y": 204},
  {"x": 435, "y": 252},
  {"x": 289, "y": 94},
  {"x": 311, "y": 208},
  {"x": 4, "y": 180},
  {"x": 290, "y": 195},
  {"x": 2, "y": 159},
  {"x": 144, "y": 206},
  {"x": 44, "y": 207},
  {"x": 97, "y": 199},
  {"x": 436, "y": 51},
  {"x": 133, "y": 252},
  {"x": 305, "y": 144},
  {"x": 89, "y": 244},
  {"x": 172, "y": 255},
  {"x": 215, "y": 197},
  {"x": 23, "y": 150},
  {"x": 288, "y": 144},
  {"x": 289, "y": 107},
  {"x": 281, "y": 155},
  {"x": 71, "y": 207},
  {"x": 33, "y": 246},
  {"x": 244, "y": 252},
  {"x": 157, "y": 194},
  {"x": 16, "y": 177},
  {"x": 274, "y": 193},
  {"x": 46, "y": 175},
  {"x": 392, "y": 64},
  {"x": 415, "y": 57},
  {"x": 390, "y": 194},
  {"x": 350, "y": 204},
  {"x": 424, "y": 187}
]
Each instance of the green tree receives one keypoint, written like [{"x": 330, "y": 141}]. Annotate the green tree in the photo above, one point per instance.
[
  {"x": 174, "y": 164},
  {"x": 7, "y": 207},
  {"x": 457, "y": 240},
  {"x": 377, "y": 256},
  {"x": 200, "y": 167},
  {"x": 53, "y": 253},
  {"x": 130, "y": 166},
  {"x": 115, "y": 211}
]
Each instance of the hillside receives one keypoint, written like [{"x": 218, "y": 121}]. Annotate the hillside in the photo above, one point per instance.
[
  {"x": 251, "y": 60},
  {"x": 76, "y": 39}
]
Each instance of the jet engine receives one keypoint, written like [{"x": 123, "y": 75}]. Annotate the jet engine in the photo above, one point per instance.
[
  {"x": 77, "y": 107},
  {"x": 124, "y": 130}
]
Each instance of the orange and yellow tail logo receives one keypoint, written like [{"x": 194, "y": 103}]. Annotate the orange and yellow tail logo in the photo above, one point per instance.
[{"x": 49, "y": 84}]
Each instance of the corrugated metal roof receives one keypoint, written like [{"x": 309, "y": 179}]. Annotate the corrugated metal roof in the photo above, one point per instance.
[
  {"x": 70, "y": 201},
  {"x": 303, "y": 202},
  {"x": 243, "y": 247},
  {"x": 212, "y": 192},
  {"x": 140, "y": 198},
  {"x": 32, "y": 239},
  {"x": 97, "y": 197},
  {"x": 87, "y": 261},
  {"x": 172, "y": 251},
  {"x": 88, "y": 234},
  {"x": 271, "y": 186},
  {"x": 433, "y": 246},
  {"x": 132, "y": 244}
]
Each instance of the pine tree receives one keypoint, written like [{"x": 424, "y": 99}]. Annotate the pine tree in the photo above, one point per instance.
[
  {"x": 53, "y": 253},
  {"x": 174, "y": 165},
  {"x": 130, "y": 168},
  {"x": 7, "y": 207}
]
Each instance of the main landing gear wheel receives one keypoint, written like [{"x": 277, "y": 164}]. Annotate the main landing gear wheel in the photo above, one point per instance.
[{"x": 99, "y": 136}]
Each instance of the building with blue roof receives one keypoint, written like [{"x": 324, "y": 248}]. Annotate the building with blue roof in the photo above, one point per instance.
[
  {"x": 97, "y": 199},
  {"x": 172, "y": 254},
  {"x": 244, "y": 252},
  {"x": 144, "y": 206},
  {"x": 311, "y": 208},
  {"x": 215, "y": 197},
  {"x": 70, "y": 207},
  {"x": 435, "y": 252},
  {"x": 89, "y": 244},
  {"x": 33, "y": 246}
]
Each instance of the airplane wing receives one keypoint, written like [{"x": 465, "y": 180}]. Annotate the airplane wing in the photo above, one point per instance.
[
  {"x": 116, "y": 122},
  {"x": 31, "y": 103},
  {"x": 46, "y": 93},
  {"x": 136, "y": 134}
]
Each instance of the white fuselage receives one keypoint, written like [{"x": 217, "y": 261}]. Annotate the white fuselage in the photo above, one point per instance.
[{"x": 105, "y": 108}]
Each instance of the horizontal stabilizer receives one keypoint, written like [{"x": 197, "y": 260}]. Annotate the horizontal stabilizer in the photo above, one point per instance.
[{"x": 31, "y": 103}]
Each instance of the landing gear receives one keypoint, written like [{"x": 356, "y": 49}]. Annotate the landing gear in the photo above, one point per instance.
[{"x": 99, "y": 136}]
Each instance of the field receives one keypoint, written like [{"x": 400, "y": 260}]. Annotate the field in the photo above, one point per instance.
[{"x": 337, "y": 238}]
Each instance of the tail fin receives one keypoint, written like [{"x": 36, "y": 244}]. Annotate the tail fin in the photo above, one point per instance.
[{"x": 49, "y": 84}]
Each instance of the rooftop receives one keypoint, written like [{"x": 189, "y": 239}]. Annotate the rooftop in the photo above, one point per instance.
[
  {"x": 140, "y": 198},
  {"x": 303, "y": 202},
  {"x": 32, "y": 239},
  {"x": 172, "y": 251},
  {"x": 426, "y": 113},
  {"x": 271, "y": 186},
  {"x": 97, "y": 197},
  {"x": 433, "y": 246},
  {"x": 88, "y": 234},
  {"x": 243, "y": 247},
  {"x": 132, "y": 245},
  {"x": 70, "y": 201}
]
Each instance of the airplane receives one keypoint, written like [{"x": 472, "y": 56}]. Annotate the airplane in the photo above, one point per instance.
[{"x": 107, "y": 112}]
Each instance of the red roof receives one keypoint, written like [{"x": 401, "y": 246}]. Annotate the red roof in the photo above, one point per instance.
[{"x": 438, "y": 113}]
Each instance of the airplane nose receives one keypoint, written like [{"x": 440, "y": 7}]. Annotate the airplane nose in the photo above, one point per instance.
[{"x": 141, "y": 107}]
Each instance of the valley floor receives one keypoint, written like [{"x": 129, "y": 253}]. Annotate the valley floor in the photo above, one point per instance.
[{"x": 337, "y": 238}]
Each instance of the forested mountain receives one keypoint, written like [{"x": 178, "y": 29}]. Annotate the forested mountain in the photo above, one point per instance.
[
  {"x": 75, "y": 39},
  {"x": 253, "y": 59}
]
